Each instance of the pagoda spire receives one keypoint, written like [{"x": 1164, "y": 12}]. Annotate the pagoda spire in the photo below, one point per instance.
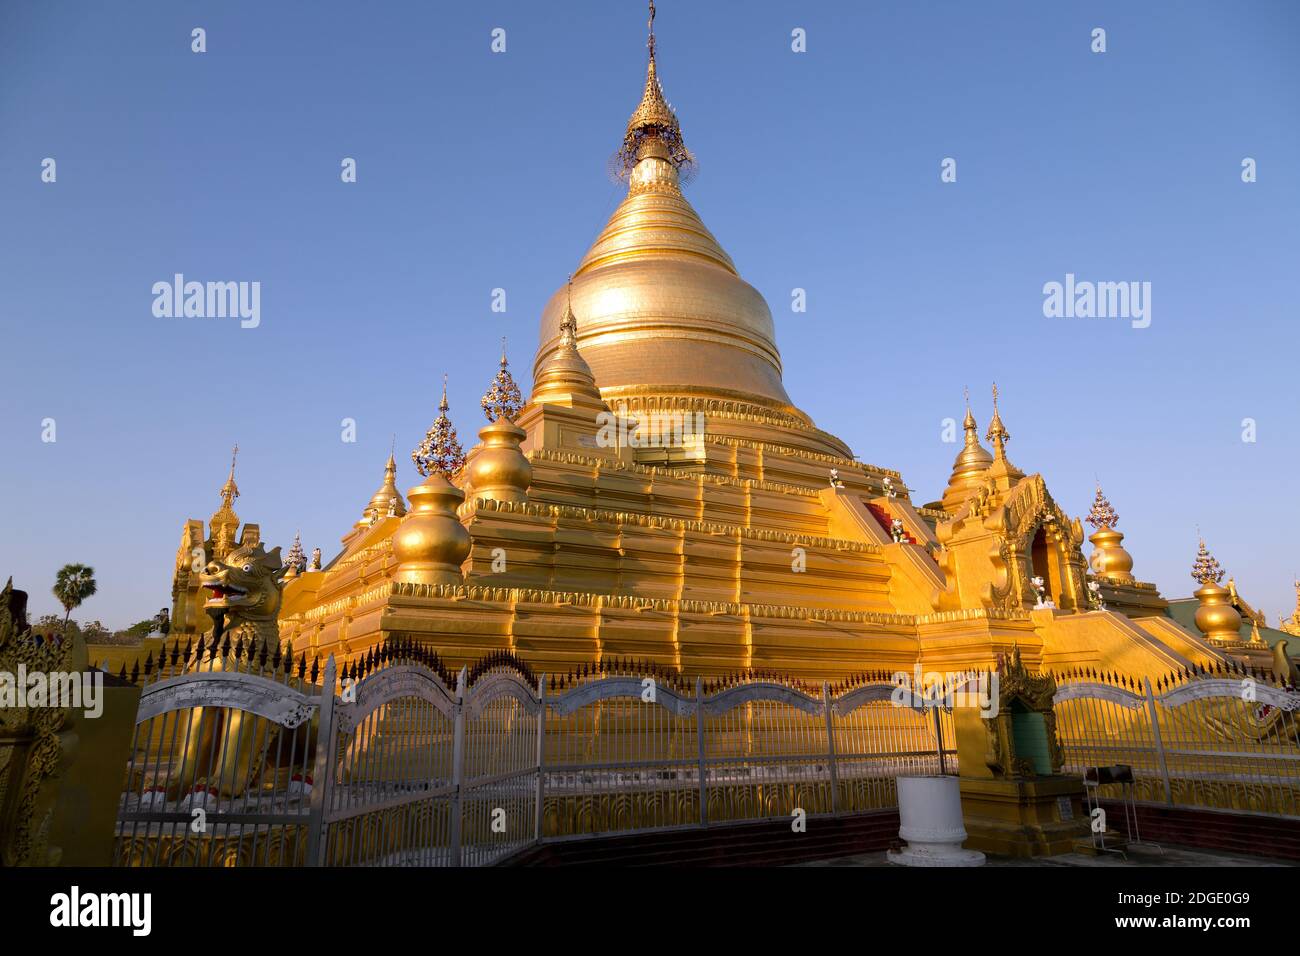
[
  {"x": 565, "y": 377},
  {"x": 1001, "y": 470},
  {"x": 224, "y": 522},
  {"x": 440, "y": 452},
  {"x": 1109, "y": 559},
  {"x": 230, "y": 490},
  {"x": 969, "y": 466},
  {"x": 997, "y": 433},
  {"x": 1216, "y": 618},
  {"x": 387, "y": 498},
  {"x": 653, "y": 129}
]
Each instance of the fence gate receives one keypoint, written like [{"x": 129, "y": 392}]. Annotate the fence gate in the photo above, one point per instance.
[
  {"x": 388, "y": 770},
  {"x": 219, "y": 772}
]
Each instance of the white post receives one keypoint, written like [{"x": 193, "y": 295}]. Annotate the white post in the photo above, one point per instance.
[
  {"x": 699, "y": 732},
  {"x": 830, "y": 747},
  {"x": 323, "y": 771},
  {"x": 457, "y": 767},
  {"x": 1160, "y": 746},
  {"x": 541, "y": 758}
]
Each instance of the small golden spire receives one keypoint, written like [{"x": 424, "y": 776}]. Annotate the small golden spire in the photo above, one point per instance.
[
  {"x": 440, "y": 452},
  {"x": 565, "y": 378},
  {"x": 969, "y": 466},
  {"x": 997, "y": 433},
  {"x": 503, "y": 398},
  {"x": 230, "y": 490},
  {"x": 387, "y": 498},
  {"x": 569, "y": 323}
]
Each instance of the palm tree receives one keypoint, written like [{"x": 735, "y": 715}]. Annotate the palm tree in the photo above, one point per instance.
[{"x": 75, "y": 583}]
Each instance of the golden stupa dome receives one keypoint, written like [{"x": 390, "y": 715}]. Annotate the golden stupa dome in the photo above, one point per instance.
[{"x": 664, "y": 311}]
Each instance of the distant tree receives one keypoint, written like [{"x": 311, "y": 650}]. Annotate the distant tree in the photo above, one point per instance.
[
  {"x": 139, "y": 630},
  {"x": 95, "y": 633},
  {"x": 74, "y": 583}
]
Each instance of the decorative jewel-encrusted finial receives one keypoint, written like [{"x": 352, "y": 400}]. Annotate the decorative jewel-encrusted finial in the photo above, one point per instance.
[
  {"x": 440, "y": 453},
  {"x": 1102, "y": 514},
  {"x": 653, "y": 122},
  {"x": 503, "y": 398},
  {"x": 296, "y": 558},
  {"x": 1206, "y": 570}
]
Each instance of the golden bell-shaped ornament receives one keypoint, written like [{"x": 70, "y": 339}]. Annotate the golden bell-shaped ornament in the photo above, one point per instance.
[
  {"x": 1109, "y": 559},
  {"x": 431, "y": 544},
  {"x": 497, "y": 469},
  {"x": 1217, "y": 619}
]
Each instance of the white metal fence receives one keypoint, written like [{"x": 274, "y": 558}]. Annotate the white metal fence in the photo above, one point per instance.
[
  {"x": 418, "y": 767},
  {"x": 1225, "y": 739}
]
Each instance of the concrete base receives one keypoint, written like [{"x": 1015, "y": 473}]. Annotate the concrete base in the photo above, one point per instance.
[
  {"x": 1024, "y": 817},
  {"x": 930, "y": 820},
  {"x": 921, "y": 857}
]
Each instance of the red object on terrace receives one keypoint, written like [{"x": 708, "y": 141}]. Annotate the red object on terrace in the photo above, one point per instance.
[{"x": 886, "y": 520}]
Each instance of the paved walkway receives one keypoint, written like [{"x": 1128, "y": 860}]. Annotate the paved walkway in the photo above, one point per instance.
[{"x": 1137, "y": 856}]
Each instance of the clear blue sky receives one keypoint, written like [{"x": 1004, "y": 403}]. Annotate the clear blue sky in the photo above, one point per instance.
[{"x": 818, "y": 170}]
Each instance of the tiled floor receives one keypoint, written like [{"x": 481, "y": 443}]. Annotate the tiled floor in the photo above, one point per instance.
[{"x": 1137, "y": 856}]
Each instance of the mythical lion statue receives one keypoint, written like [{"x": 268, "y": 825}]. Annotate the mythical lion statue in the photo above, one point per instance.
[{"x": 226, "y": 749}]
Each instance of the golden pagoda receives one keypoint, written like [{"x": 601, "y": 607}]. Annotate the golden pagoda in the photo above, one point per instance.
[
  {"x": 198, "y": 547},
  {"x": 748, "y": 539}
]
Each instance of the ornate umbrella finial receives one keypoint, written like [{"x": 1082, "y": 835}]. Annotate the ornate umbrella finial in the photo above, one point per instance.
[
  {"x": 296, "y": 558},
  {"x": 441, "y": 452},
  {"x": 503, "y": 398},
  {"x": 1206, "y": 570},
  {"x": 653, "y": 123},
  {"x": 1102, "y": 514}
]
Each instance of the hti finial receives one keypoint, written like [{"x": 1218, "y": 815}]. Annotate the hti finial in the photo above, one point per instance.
[
  {"x": 1102, "y": 515},
  {"x": 653, "y": 129},
  {"x": 503, "y": 398},
  {"x": 440, "y": 452},
  {"x": 1206, "y": 569}
]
